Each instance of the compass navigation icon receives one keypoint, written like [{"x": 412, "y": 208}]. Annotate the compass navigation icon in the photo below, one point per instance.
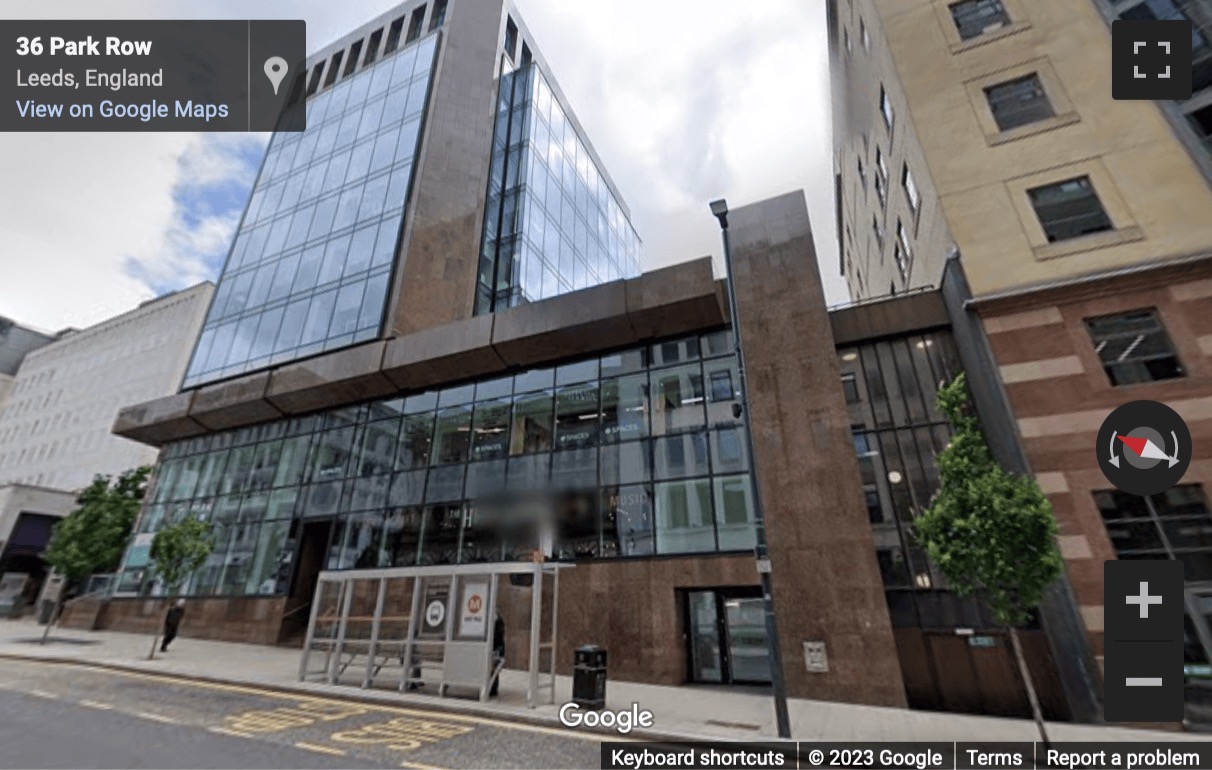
[{"x": 1144, "y": 448}]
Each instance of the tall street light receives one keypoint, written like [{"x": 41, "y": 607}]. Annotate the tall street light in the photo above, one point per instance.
[{"x": 760, "y": 550}]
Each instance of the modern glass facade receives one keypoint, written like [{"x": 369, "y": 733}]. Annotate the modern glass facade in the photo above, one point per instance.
[
  {"x": 637, "y": 452},
  {"x": 891, "y": 389},
  {"x": 552, "y": 224},
  {"x": 310, "y": 267}
]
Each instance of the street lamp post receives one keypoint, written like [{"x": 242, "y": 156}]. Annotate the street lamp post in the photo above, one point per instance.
[{"x": 761, "y": 551}]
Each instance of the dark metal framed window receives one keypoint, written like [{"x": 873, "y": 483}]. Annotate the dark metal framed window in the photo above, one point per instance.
[
  {"x": 1069, "y": 209},
  {"x": 850, "y": 388},
  {"x": 1176, "y": 524},
  {"x": 879, "y": 234},
  {"x": 1134, "y": 347},
  {"x": 974, "y": 18},
  {"x": 1019, "y": 102}
]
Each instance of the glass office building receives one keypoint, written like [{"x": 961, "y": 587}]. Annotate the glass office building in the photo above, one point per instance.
[
  {"x": 311, "y": 264},
  {"x": 553, "y": 221},
  {"x": 636, "y": 453}
]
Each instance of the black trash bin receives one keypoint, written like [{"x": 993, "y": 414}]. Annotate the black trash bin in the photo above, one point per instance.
[{"x": 589, "y": 678}]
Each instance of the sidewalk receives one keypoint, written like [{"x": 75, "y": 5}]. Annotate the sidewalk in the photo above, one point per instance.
[{"x": 679, "y": 712}]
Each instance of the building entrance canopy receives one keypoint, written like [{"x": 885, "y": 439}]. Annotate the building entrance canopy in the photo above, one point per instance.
[{"x": 428, "y": 626}]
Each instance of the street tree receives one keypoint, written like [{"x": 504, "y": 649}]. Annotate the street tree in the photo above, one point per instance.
[
  {"x": 177, "y": 551},
  {"x": 92, "y": 538},
  {"x": 991, "y": 532}
]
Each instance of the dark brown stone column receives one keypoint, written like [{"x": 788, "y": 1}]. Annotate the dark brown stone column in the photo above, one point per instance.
[
  {"x": 436, "y": 282},
  {"x": 826, "y": 580}
]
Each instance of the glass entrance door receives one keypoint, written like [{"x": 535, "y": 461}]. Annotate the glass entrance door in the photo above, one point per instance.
[
  {"x": 748, "y": 646},
  {"x": 706, "y": 653},
  {"x": 727, "y": 636}
]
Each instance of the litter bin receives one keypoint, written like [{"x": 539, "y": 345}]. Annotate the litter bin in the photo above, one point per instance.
[
  {"x": 589, "y": 678},
  {"x": 46, "y": 609}
]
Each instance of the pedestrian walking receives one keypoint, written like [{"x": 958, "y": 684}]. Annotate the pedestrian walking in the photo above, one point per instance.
[{"x": 172, "y": 623}]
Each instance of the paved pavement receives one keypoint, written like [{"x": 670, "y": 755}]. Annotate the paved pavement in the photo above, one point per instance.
[
  {"x": 78, "y": 716},
  {"x": 679, "y": 712}
]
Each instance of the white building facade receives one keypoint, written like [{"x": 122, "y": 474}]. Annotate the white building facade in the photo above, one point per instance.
[{"x": 55, "y": 425}]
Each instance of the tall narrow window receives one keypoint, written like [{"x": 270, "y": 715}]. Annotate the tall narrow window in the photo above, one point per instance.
[
  {"x": 886, "y": 108},
  {"x": 354, "y": 51},
  {"x": 865, "y": 35},
  {"x": 372, "y": 47},
  {"x": 393, "y": 36},
  {"x": 415, "y": 25},
  {"x": 1019, "y": 102},
  {"x": 879, "y": 234},
  {"x": 1069, "y": 209},
  {"x": 911, "y": 193},
  {"x": 511, "y": 37},
  {"x": 439, "y": 15},
  {"x": 904, "y": 255},
  {"x": 978, "y": 17},
  {"x": 1134, "y": 347},
  {"x": 334, "y": 68},
  {"x": 881, "y": 177}
]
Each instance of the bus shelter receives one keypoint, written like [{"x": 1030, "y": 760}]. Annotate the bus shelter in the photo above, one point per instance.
[{"x": 407, "y": 627}]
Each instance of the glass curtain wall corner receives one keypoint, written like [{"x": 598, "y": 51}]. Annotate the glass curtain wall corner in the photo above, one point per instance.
[
  {"x": 310, "y": 267},
  {"x": 552, "y": 224}
]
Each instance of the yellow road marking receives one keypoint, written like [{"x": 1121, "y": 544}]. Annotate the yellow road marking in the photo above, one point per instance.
[
  {"x": 44, "y": 694},
  {"x": 319, "y": 748},
  {"x": 225, "y": 731},
  {"x": 157, "y": 718},
  {"x": 584, "y": 735},
  {"x": 92, "y": 704},
  {"x": 419, "y": 766}
]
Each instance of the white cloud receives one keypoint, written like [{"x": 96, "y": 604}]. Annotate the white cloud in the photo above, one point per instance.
[{"x": 685, "y": 100}]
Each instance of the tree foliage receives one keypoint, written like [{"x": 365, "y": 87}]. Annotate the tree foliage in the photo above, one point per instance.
[
  {"x": 179, "y": 549},
  {"x": 991, "y": 532},
  {"x": 92, "y": 538}
]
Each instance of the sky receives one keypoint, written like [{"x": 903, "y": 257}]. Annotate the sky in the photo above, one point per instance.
[{"x": 685, "y": 101}]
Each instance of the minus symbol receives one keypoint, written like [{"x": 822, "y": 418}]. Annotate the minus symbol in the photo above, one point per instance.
[{"x": 1143, "y": 681}]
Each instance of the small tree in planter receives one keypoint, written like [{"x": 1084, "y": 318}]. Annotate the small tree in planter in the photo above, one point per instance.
[
  {"x": 992, "y": 533},
  {"x": 92, "y": 537},
  {"x": 177, "y": 551}
]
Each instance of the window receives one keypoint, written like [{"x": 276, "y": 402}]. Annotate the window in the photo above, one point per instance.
[
  {"x": 850, "y": 388},
  {"x": 974, "y": 18},
  {"x": 511, "y": 37},
  {"x": 334, "y": 68},
  {"x": 846, "y": 38},
  {"x": 862, "y": 174},
  {"x": 393, "y": 36},
  {"x": 354, "y": 52},
  {"x": 439, "y": 15},
  {"x": 1069, "y": 209},
  {"x": 1134, "y": 347},
  {"x": 881, "y": 177},
  {"x": 415, "y": 25},
  {"x": 904, "y": 255},
  {"x": 886, "y": 108},
  {"x": 1173, "y": 525},
  {"x": 915, "y": 199},
  {"x": 1201, "y": 32},
  {"x": 1019, "y": 102},
  {"x": 864, "y": 34},
  {"x": 879, "y": 233},
  {"x": 372, "y": 47}
]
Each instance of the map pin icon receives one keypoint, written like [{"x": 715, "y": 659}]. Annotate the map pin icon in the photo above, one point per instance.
[{"x": 275, "y": 70}]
